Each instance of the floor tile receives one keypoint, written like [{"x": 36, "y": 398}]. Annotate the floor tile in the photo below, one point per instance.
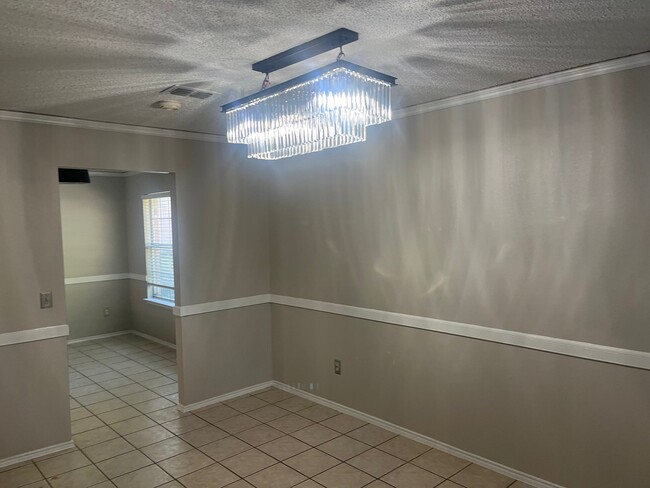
[
  {"x": 40, "y": 484},
  {"x": 204, "y": 435},
  {"x": 248, "y": 462},
  {"x": 246, "y": 404},
  {"x": 519, "y": 484},
  {"x": 217, "y": 413},
  {"x": 241, "y": 484},
  {"x": 124, "y": 463},
  {"x": 149, "y": 406},
  {"x": 85, "y": 390},
  {"x": 236, "y": 424},
  {"x": 93, "y": 437},
  {"x": 148, "y": 477},
  {"x": 118, "y": 415},
  {"x": 94, "y": 398},
  {"x": 378, "y": 484},
  {"x": 106, "y": 406},
  {"x": 154, "y": 382},
  {"x": 273, "y": 395},
  {"x": 185, "y": 424},
  {"x": 115, "y": 383},
  {"x": 475, "y": 476},
  {"x": 317, "y": 413},
  {"x": 108, "y": 449},
  {"x": 79, "y": 478},
  {"x": 312, "y": 462},
  {"x": 167, "y": 414},
  {"x": 88, "y": 423},
  {"x": 79, "y": 413},
  {"x": 409, "y": 476},
  {"x": 260, "y": 435},
  {"x": 284, "y": 447},
  {"x": 290, "y": 423},
  {"x": 166, "y": 449},
  {"x": 166, "y": 389},
  {"x": 451, "y": 484},
  {"x": 343, "y": 476},
  {"x": 403, "y": 448},
  {"x": 63, "y": 463},
  {"x": 121, "y": 391},
  {"x": 343, "y": 423},
  {"x": 268, "y": 413},
  {"x": 371, "y": 434},
  {"x": 295, "y": 403},
  {"x": 307, "y": 484},
  {"x": 214, "y": 476},
  {"x": 375, "y": 462},
  {"x": 315, "y": 434},
  {"x": 148, "y": 436},
  {"x": 276, "y": 476},
  {"x": 440, "y": 463},
  {"x": 344, "y": 447},
  {"x": 132, "y": 425},
  {"x": 139, "y": 397},
  {"x": 185, "y": 463},
  {"x": 20, "y": 476}
]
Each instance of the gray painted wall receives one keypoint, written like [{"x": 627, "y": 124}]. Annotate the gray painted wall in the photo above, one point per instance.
[
  {"x": 93, "y": 220},
  {"x": 215, "y": 185},
  {"x": 526, "y": 213}
]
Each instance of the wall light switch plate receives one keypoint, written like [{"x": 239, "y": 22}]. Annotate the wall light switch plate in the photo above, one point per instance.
[
  {"x": 46, "y": 299},
  {"x": 337, "y": 366}
]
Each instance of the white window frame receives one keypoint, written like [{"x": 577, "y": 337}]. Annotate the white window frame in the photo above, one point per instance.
[{"x": 151, "y": 282}]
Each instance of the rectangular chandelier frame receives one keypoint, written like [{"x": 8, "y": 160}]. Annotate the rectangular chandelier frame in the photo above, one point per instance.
[
  {"x": 309, "y": 76},
  {"x": 325, "y": 108}
]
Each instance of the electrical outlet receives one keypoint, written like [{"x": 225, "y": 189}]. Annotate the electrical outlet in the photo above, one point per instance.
[
  {"x": 46, "y": 299},
  {"x": 107, "y": 312},
  {"x": 337, "y": 366}
]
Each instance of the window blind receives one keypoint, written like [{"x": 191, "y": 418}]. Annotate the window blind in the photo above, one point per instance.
[{"x": 159, "y": 247}]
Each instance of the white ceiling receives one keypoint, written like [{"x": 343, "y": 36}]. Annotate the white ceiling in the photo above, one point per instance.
[{"x": 107, "y": 60}]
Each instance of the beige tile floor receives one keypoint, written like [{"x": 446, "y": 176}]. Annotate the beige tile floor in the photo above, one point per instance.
[{"x": 128, "y": 433}]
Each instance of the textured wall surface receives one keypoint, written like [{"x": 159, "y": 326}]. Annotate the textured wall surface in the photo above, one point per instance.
[{"x": 525, "y": 213}]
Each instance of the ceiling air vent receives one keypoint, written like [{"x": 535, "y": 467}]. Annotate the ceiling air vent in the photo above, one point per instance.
[{"x": 186, "y": 91}]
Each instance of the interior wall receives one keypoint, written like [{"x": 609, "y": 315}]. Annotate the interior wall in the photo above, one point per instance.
[
  {"x": 93, "y": 219},
  {"x": 527, "y": 213},
  {"x": 221, "y": 201},
  {"x": 154, "y": 320}
]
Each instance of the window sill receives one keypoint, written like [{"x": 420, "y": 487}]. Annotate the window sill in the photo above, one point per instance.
[{"x": 159, "y": 303}]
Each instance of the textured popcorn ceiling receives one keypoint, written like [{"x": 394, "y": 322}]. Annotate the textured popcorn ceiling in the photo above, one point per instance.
[{"x": 108, "y": 60}]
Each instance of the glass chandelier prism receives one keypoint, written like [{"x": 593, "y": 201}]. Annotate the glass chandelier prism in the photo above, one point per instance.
[{"x": 322, "y": 109}]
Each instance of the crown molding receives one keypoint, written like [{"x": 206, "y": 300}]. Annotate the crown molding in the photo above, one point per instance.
[
  {"x": 605, "y": 67},
  {"x": 588, "y": 71},
  {"x": 13, "y": 116}
]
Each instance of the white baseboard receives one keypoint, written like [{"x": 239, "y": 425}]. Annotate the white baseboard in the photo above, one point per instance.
[
  {"x": 152, "y": 338},
  {"x": 122, "y": 332},
  {"x": 468, "y": 456},
  {"x": 225, "y": 397},
  {"x": 99, "y": 336},
  {"x": 28, "y": 456}
]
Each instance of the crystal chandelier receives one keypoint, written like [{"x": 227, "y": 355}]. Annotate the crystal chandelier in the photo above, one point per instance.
[{"x": 322, "y": 109}]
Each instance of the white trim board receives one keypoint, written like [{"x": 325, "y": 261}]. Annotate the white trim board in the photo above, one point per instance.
[
  {"x": 225, "y": 397},
  {"x": 16, "y": 116},
  {"x": 31, "y": 335},
  {"x": 429, "y": 441},
  {"x": 581, "y": 72},
  {"x": 107, "y": 277},
  {"x": 566, "y": 347},
  {"x": 186, "y": 310},
  {"x": 119, "y": 333},
  {"x": 28, "y": 456}
]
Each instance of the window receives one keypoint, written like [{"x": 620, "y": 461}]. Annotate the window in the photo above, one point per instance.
[{"x": 159, "y": 247}]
